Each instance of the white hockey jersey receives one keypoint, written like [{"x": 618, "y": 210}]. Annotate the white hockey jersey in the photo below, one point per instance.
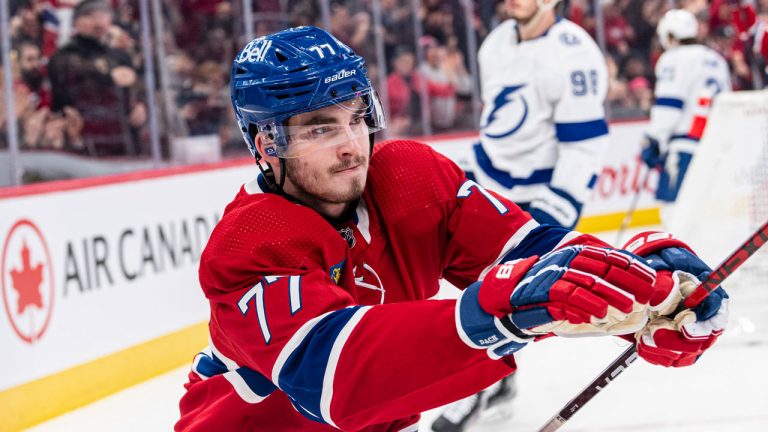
[
  {"x": 687, "y": 79},
  {"x": 543, "y": 128}
]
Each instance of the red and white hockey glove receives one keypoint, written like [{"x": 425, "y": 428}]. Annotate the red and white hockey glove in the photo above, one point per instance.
[
  {"x": 573, "y": 291},
  {"x": 680, "y": 339}
]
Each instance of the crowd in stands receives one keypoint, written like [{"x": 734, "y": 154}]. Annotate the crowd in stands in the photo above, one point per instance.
[{"x": 78, "y": 66}]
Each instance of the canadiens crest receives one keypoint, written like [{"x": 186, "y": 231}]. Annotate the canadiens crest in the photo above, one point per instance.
[{"x": 335, "y": 272}]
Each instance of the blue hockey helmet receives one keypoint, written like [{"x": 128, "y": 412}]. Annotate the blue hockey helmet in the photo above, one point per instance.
[{"x": 295, "y": 71}]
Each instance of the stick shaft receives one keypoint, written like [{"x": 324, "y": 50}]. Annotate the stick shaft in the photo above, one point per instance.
[{"x": 728, "y": 266}]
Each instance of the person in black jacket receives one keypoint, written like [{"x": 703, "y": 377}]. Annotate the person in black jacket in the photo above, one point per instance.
[{"x": 99, "y": 82}]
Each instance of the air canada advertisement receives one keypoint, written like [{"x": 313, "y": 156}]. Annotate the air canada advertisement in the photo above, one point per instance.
[{"x": 91, "y": 271}]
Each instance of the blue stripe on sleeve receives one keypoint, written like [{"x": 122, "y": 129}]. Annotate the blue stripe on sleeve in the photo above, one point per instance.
[
  {"x": 575, "y": 132},
  {"x": 257, "y": 382},
  {"x": 503, "y": 178},
  {"x": 539, "y": 241},
  {"x": 302, "y": 374},
  {"x": 670, "y": 102},
  {"x": 209, "y": 365}
]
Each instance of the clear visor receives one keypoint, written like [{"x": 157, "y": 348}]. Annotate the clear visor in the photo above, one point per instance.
[{"x": 347, "y": 122}]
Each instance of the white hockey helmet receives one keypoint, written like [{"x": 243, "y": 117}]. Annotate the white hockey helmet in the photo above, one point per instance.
[{"x": 678, "y": 23}]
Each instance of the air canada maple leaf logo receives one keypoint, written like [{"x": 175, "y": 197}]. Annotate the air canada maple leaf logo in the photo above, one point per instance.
[{"x": 26, "y": 280}]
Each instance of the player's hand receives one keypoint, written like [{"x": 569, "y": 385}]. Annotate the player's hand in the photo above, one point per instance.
[
  {"x": 576, "y": 290},
  {"x": 677, "y": 338},
  {"x": 651, "y": 153}
]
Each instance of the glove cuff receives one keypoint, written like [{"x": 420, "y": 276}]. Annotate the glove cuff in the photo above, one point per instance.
[{"x": 649, "y": 242}]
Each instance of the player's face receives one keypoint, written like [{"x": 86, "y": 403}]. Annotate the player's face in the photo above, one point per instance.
[
  {"x": 521, "y": 10},
  {"x": 329, "y": 175}
]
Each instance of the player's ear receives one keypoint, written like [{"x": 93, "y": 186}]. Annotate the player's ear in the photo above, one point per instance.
[{"x": 260, "y": 140}]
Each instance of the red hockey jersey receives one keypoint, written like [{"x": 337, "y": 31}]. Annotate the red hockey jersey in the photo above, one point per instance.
[{"x": 319, "y": 324}]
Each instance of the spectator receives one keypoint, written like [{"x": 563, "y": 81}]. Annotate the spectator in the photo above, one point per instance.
[
  {"x": 403, "y": 99},
  {"x": 643, "y": 16},
  {"x": 617, "y": 98},
  {"x": 641, "y": 94},
  {"x": 31, "y": 73},
  {"x": 35, "y": 21},
  {"x": 37, "y": 127},
  {"x": 635, "y": 66},
  {"x": 203, "y": 104},
  {"x": 618, "y": 32},
  {"x": 99, "y": 82},
  {"x": 398, "y": 28},
  {"x": 442, "y": 84}
]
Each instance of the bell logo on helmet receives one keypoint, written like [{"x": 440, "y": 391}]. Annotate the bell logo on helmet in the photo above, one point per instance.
[
  {"x": 255, "y": 51},
  {"x": 339, "y": 75}
]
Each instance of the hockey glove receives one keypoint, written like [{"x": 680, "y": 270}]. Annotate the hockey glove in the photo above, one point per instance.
[
  {"x": 677, "y": 340},
  {"x": 573, "y": 291},
  {"x": 651, "y": 152}
]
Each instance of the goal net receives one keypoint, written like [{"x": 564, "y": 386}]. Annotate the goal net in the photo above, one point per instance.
[{"x": 724, "y": 199}]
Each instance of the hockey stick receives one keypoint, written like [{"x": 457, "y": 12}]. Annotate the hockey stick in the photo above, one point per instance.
[
  {"x": 632, "y": 206},
  {"x": 718, "y": 275}
]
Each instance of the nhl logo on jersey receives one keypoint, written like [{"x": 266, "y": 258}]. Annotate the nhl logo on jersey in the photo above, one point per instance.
[{"x": 348, "y": 235}]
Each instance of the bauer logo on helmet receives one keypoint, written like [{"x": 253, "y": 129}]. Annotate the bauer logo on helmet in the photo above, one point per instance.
[{"x": 339, "y": 75}]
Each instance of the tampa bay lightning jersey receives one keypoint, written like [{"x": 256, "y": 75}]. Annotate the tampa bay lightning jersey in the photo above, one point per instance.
[
  {"x": 543, "y": 128},
  {"x": 687, "y": 78}
]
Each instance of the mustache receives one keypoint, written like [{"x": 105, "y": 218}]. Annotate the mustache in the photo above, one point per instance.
[{"x": 348, "y": 163}]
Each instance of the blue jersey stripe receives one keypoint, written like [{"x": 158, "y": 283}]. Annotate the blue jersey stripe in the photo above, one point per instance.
[
  {"x": 301, "y": 377},
  {"x": 575, "y": 132},
  {"x": 257, "y": 382},
  {"x": 670, "y": 102},
  {"x": 209, "y": 365},
  {"x": 503, "y": 178},
  {"x": 539, "y": 241}
]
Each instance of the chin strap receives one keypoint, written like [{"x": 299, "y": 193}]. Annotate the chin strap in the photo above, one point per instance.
[{"x": 269, "y": 174}]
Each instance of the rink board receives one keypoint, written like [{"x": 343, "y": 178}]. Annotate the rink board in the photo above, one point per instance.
[{"x": 99, "y": 276}]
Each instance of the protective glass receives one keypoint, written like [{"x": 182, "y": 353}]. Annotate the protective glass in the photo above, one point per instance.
[{"x": 341, "y": 122}]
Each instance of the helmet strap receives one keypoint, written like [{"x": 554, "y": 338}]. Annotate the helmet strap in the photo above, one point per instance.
[{"x": 269, "y": 174}]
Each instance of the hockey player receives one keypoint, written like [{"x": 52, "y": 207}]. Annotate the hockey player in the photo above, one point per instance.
[
  {"x": 688, "y": 76},
  {"x": 543, "y": 129},
  {"x": 543, "y": 132},
  {"x": 320, "y": 272}
]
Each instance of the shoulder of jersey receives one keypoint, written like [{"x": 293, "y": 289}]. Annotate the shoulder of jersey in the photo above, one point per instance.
[
  {"x": 266, "y": 213},
  {"x": 502, "y": 35},
  {"x": 574, "y": 38},
  {"x": 406, "y": 176},
  {"x": 681, "y": 55}
]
